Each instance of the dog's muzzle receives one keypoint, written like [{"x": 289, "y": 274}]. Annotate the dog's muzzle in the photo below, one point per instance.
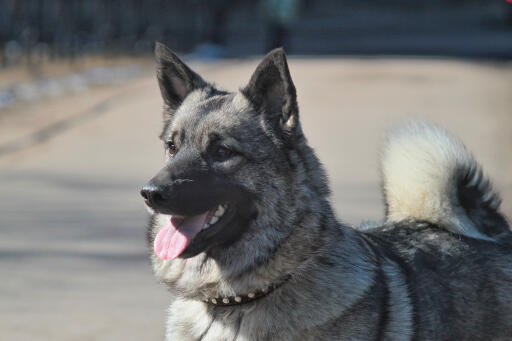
[{"x": 183, "y": 196}]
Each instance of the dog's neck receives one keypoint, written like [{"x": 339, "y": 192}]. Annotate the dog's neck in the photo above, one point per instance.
[
  {"x": 204, "y": 278},
  {"x": 246, "y": 298}
]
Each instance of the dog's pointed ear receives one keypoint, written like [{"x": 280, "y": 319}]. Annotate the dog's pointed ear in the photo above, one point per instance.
[
  {"x": 176, "y": 80},
  {"x": 271, "y": 91}
]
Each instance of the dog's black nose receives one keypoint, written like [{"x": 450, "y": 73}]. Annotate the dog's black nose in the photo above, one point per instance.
[{"x": 153, "y": 195}]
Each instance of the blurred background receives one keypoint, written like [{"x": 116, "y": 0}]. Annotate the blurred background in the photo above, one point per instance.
[
  {"x": 80, "y": 115},
  {"x": 35, "y": 30}
]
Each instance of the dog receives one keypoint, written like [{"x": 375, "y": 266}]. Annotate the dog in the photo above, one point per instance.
[{"x": 243, "y": 234}]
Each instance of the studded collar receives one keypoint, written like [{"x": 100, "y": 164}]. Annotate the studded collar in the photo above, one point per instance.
[{"x": 249, "y": 297}]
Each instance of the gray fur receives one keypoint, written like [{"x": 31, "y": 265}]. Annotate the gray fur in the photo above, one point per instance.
[{"x": 405, "y": 280}]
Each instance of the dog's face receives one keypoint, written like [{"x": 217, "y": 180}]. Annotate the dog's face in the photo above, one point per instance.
[{"x": 224, "y": 153}]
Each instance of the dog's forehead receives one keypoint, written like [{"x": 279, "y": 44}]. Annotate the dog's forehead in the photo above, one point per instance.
[{"x": 202, "y": 113}]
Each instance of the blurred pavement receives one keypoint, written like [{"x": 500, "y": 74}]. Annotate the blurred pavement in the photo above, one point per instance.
[{"x": 73, "y": 259}]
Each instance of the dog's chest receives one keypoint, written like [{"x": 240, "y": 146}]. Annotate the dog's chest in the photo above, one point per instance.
[{"x": 194, "y": 320}]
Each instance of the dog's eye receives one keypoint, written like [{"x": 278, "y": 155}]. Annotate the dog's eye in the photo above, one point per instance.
[
  {"x": 223, "y": 153},
  {"x": 171, "y": 149}
]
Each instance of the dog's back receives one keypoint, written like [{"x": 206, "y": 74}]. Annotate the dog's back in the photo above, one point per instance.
[
  {"x": 446, "y": 236},
  {"x": 458, "y": 288}
]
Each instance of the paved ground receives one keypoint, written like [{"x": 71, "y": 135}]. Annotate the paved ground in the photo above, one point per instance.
[{"x": 72, "y": 252}]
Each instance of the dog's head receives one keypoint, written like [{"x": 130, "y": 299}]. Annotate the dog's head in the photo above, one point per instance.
[{"x": 231, "y": 158}]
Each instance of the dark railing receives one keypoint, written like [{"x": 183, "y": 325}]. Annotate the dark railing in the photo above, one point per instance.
[{"x": 31, "y": 29}]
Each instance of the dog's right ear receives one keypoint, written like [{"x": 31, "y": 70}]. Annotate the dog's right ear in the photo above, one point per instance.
[{"x": 176, "y": 80}]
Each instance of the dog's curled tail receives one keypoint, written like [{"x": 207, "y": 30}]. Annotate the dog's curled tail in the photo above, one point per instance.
[{"x": 429, "y": 175}]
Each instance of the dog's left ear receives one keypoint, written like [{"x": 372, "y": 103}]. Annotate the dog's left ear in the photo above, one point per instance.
[{"x": 272, "y": 93}]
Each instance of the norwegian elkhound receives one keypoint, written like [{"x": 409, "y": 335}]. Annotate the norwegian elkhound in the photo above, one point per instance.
[{"x": 244, "y": 236}]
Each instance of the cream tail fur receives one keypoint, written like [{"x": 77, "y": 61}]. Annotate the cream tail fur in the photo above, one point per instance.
[{"x": 429, "y": 175}]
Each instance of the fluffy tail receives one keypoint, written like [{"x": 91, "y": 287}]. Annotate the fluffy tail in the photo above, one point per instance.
[{"x": 429, "y": 175}]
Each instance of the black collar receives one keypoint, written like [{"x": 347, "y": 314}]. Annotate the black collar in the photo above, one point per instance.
[{"x": 242, "y": 299}]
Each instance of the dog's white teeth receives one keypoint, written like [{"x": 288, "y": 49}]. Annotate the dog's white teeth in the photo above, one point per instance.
[{"x": 220, "y": 211}]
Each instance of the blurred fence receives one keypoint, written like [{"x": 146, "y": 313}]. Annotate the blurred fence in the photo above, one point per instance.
[
  {"x": 31, "y": 30},
  {"x": 66, "y": 28}
]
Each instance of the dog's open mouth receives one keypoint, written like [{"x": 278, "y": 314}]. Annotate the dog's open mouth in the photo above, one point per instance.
[{"x": 174, "y": 238}]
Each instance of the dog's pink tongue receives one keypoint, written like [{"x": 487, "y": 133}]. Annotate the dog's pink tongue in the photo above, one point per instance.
[{"x": 174, "y": 238}]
